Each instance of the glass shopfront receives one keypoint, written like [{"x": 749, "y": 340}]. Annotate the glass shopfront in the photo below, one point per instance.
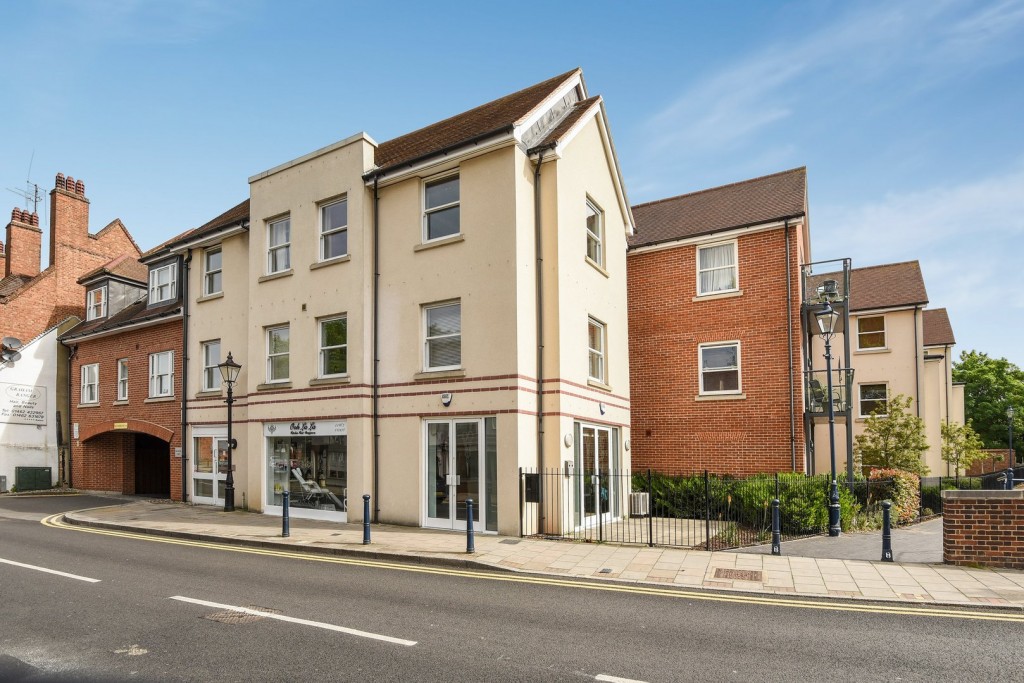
[{"x": 309, "y": 459}]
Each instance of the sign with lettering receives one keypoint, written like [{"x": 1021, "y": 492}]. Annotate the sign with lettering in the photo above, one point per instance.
[
  {"x": 120, "y": 425},
  {"x": 306, "y": 428},
  {"x": 22, "y": 404}
]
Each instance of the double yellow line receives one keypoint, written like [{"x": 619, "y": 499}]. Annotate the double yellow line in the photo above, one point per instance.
[{"x": 56, "y": 521}]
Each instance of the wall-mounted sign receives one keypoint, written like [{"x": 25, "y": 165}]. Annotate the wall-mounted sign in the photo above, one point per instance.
[
  {"x": 306, "y": 428},
  {"x": 22, "y": 404},
  {"x": 120, "y": 425},
  {"x": 177, "y": 451}
]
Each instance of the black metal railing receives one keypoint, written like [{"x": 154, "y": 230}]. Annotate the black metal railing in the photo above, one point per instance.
[
  {"x": 932, "y": 487},
  {"x": 816, "y": 390}
]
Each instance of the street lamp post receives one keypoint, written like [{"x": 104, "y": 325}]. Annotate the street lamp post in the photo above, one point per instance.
[
  {"x": 229, "y": 370},
  {"x": 1009, "y": 417},
  {"x": 826, "y": 319}
]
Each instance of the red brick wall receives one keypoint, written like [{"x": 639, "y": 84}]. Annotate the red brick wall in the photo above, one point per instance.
[
  {"x": 673, "y": 432},
  {"x": 983, "y": 528},
  {"x": 997, "y": 459},
  {"x": 26, "y": 239},
  {"x": 106, "y": 462}
]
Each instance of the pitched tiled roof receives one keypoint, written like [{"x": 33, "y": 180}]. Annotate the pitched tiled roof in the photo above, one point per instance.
[
  {"x": 124, "y": 266},
  {"x": 759, "y": 200},
  {"x": 491, "y": 118},
  {"x": 130, "y": 315},
  {"x": 565, "y": 125},
  {"x": 236, "y": 214},
  {"x": 937, "y": 330},
  {"x": 887, "y": 286},
  {"x": 11, "y": 284}
]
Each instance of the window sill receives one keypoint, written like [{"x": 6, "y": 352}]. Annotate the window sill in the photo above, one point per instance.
[
  {"x": 119, "y": 403},
  {"x": 159, "y": 399},
  {"x": 438, "y": 374},
  {"x": 720, "y": 397},
  {"x": 869, "y": 351},
  {"x": 722, "y": 295},
  {"x": 89, "y": 405},
  {"x": 275, "y": 276},
  {"x": 273, "y": 386},
  {"x": 439, "y": 242},
  {"x": 330, "y": 262},
  {"x": 596, "y": 266},
  {"x": 209, "y": 297},
  {"x": 598, "y": 384},
  {"x": 322, "y": 381},
  {"x": 209, "y": 393}
]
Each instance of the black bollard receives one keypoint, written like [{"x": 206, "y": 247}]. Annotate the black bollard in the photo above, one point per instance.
[
  {"x": 285, "y": 531},
  {"x": 886, "y": 532},
  {"x": 366, "y": 519},
  {"x": 1009, "y": 478},
  {"x": 470, "y": 547},
  {"x": 776, "y": 529}
]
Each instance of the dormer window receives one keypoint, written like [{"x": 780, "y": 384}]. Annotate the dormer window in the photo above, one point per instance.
[
  {"x": 163, "y": 283},
  {"x": 96, "y": 303}
]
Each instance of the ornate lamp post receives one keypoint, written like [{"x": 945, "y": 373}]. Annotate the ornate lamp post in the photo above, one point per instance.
[
  {"x": 826, "y": 319},
  {"x": 1009, "y": 417},
  {"x": 229, "y": 370}
]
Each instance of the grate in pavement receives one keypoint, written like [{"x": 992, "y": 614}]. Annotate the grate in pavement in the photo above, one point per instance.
[
  {"x": 509, "y": 541},
  {"x": 738, "y": 574},
  {"x": 233, "y": 617}
]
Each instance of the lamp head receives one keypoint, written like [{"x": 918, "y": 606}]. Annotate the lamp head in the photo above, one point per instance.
[
  {"x": 826, "y": 317},
  {"x": 229, "y": 370},
  {"x": 1009, "y": 412}
]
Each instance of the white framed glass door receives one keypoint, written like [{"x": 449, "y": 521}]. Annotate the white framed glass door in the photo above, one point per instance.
[
  {"x": 209, "y": 468},
  {"x": 454, "y": 473},
  {"x": 597, "y": 467}
]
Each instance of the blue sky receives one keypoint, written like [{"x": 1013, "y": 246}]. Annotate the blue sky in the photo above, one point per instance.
[{"x": 908, "y": 115}]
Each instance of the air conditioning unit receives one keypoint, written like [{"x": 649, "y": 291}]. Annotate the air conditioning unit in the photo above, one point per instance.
[{"x": 639, "y": 504}]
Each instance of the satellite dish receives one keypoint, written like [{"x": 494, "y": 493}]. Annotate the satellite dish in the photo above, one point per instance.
[
  {"x": 10, "y": 356},
  {"x": 12, "y": 343}
]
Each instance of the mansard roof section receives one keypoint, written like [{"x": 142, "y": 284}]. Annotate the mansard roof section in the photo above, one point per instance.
[
  {"x": 937, "y": 329},
  {"x": 493, "y": 118},
  {"x": 135, "y": 314},
  {"x": 748, "y": 203},
  {"x": 123, "y": 267},
  {"x": 235, "y": 217}
]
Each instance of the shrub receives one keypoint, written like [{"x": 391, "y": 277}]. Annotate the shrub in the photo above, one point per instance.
[{"x": 903, "y": 489}]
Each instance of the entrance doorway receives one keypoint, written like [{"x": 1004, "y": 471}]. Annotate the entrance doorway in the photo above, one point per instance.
[
  {"x": 209, "y": 467},
  {"x": 460, "y": 465},
  {"x": 152, "y": 466},
  {"x": 597, "y": 462}
]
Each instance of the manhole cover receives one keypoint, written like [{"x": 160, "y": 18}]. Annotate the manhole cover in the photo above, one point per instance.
[
  {"x": 233, "y": 617},
  {"x": 738, "y": 574},
  {"x": 509, "y": 541}
]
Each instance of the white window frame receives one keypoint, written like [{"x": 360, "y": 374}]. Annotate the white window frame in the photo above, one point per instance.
[
  {"x": 91, "y": 304},
  {"x": 271, "y": 248},
  {"x": 155, "y": 286},
  {"x": 735, "y": 267},
  {"x": 427, "y": 339},
  {"x": 321, "y": 356},
  {"x": 270, "y": 365},
  {"x": 739, "y": 367},
  {"x": 598, "y": 238},
  {"x": 208, "y": 369},
  {"x": 207, "y": 271},
  {"x": 885, "y": 335},
  {"x": 155, "y": 375},
  {"x": 601, "y": 353},
  {"x": 90, "y": 385},
  {"x": 122, "y": 379},
  {"x": 426, "y": 212},
  {"x": 860, "y": 399},
  {"x": 324, "y": 234}
]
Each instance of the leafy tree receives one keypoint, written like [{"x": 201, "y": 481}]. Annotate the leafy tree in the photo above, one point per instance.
[
  {"x": 893, "y": 438},
  {"x": 991, "y": 385},
  {"x": 961, "y": 445}
]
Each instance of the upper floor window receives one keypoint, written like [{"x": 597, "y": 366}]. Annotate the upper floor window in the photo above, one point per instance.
[
  {"x": 278, "y": 354},
  {"x": 720, "y": 368},
  {"x": 163, "y": 285},
  {"x": 91, "y": 383},
  {"x": 717, "y": 270},
  {"x": 212, "y": 281},
  {"x": 333, "y": 347},
  {"x": 334, "y": 230},
  {"x": 595, "y": 234},
  {"x": 443, "y": 336},
  {"x": 161, "y": 374},
  {"x": 122, "y": 379},
  {"x": 279, "y": 245},
  {"x": 873, "y": 397},
  {"x": 441, "y": 208},
  {"x": 211, "y": 359},
  {"x": 871, "y": 332},
  {"x": 595, "y": 342},
  {"x": 96, "y": 303}
]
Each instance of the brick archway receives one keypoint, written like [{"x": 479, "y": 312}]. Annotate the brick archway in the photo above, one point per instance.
[{"x": 127, "y": 426}]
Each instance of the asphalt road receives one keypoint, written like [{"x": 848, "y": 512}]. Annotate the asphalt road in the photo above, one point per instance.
[{"x": 155, "y": 609}]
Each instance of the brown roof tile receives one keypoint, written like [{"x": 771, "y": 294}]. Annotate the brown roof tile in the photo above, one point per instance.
[
  {"x": 750, "y": 202},
  {"x": 236, "y": 214},
  {"x": 493, "y": 117},
  {"x": 937, "y": 330},
  {"x": 124, "y": 266},
  {"x": 11, "y": 284},
  {"x": 136, "y": 313},
  {"x": 887, "y": 286}
]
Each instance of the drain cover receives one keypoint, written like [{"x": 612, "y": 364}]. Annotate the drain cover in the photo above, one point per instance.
[
  {"x": 233, "y": 617},
  {"x": 509, "y": 541},
  {"x": 738, "y": 574},
  {"x": 605, "y": 571}
]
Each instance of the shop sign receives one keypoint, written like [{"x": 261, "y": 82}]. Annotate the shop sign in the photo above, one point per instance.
[
  {"x": 22, "y": 404},
  {"x": 306, "y": 428}
]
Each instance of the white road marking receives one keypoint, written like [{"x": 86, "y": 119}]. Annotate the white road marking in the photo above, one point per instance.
[
  {"x": 294, "y": 620},
  {"x": 49, "y": 571},
  {"x": 615, "y": 679}
]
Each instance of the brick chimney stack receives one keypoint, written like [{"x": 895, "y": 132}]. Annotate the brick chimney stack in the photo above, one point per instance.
[
  {"x": 24, "y": 244},
  {"x": 69, "y": 217}
]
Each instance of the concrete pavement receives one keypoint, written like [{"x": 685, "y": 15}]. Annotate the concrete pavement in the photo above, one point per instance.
[{"x": 735, "y": 571}]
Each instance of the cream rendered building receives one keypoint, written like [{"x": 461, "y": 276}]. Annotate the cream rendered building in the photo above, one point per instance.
[{"x": 383, "y": 302}]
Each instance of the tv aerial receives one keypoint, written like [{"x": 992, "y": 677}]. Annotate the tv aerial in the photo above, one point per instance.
[{"x": 9, "y": 353}]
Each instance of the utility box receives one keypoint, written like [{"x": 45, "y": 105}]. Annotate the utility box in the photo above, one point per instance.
[
  {"x": 33, "y": 478},
  {"x": 3, "y": 483}
]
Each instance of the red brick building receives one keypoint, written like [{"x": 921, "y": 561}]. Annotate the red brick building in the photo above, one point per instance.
[
  {"x": 126, "y": 374},
  {"x": 716, "y": 357}
]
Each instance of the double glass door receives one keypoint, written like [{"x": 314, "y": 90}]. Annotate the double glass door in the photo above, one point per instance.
[
  {"x": 597, "y": 467},
  {"x": 454, "y": 468}
]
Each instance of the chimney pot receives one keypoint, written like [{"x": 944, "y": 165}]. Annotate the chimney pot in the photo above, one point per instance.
[
  {"x": 23, "y": 216},
  {"x": 79, "y": 187},
  {"x": 15, "y": 213},
  {"x": 35, "y": 219},
  {"x": 70, "y": 187},
  {"x": 60, "y": 181}
]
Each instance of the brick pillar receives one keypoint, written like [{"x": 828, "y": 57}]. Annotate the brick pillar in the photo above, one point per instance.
[
  {"x": 24, "y": 244},
  {"x": 69, "y": 218},
  {"x": 983, "y": 528}
]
